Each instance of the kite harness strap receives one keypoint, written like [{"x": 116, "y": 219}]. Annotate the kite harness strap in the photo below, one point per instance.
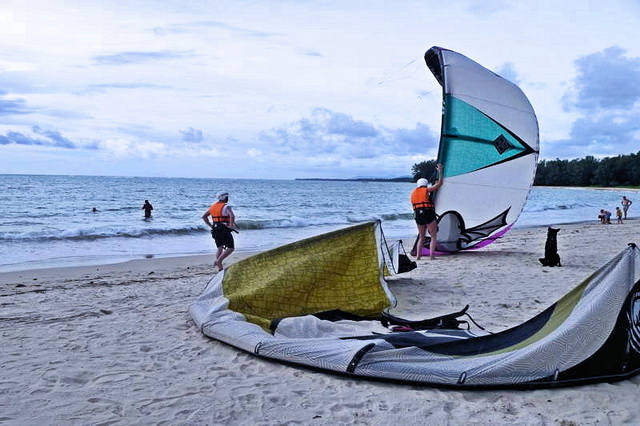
[{"x": 449, "y": 322}]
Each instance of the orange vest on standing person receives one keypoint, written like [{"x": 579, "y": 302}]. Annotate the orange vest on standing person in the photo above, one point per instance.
[
  {"x": 216, "y": 213},
  {"x": 420, "y": 198}
]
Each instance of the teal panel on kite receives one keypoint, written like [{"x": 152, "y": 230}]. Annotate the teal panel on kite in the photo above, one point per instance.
[{"x": 471, "y": 140}]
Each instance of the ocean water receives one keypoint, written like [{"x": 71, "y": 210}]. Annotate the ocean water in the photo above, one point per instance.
[{"x": 47, "y": 221}]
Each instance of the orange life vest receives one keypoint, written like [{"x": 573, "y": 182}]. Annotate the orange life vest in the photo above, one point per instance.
[
  {"x": 216, "y": 213},
  {"x": 420, "y": 198}
]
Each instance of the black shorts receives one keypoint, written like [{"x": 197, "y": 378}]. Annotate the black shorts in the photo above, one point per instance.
[
  {"x": 222, "y": 236},
  {"x": 424, "y": 216}
]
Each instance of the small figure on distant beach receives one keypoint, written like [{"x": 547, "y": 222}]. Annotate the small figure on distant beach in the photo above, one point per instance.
[
  {"x": 424, "y": 213},
  {"x": 147, "y": 207},
  {"x": 625, "y": 205},
  {"x": 604, "y": 216},
  {"x": 619, "y": 215},
  {"x": 224, "y": 222}
]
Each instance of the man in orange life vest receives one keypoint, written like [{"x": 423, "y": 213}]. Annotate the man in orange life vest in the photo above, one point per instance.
[
  {"x": 224, "y": 222},
  {"x": 425, "y": 213}
]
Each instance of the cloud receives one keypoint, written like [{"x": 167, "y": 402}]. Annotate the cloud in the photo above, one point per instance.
[
  {"x": 508, "y": 71},
  {"x": 196, "y": 27},
  {"x": 606, "y": 95},
  {"x": 125, "y": 86},
  {"x": 127, "y": 58},
  {"x": 12, "y": 106},
  {"x": 117, "y": 148},
  {"x": 308, "y": 52},
  {"x": 606, "y": 80},
  {"x": 55, "y": 137},
  {"x": 121, "y": 148},
  {"x": 222, "y": 80},
  {"x": 608, "y": 134},
  {"x": 8, "y": 66},
  {"x": 49, "y": 138},
  {"x": 192, "y": 135},
  {"x": 330, "y": 134}
]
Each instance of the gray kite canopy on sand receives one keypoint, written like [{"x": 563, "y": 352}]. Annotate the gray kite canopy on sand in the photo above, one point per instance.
[{"x": 321, "y": 302}]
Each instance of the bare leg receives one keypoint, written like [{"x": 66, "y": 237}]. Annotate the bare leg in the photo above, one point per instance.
[
  {"x": 433, "y": 233},
  {"x": 421, "y": 231},
  {"x": 223, "y": 255},
  {"x": 217, "y": 263}
]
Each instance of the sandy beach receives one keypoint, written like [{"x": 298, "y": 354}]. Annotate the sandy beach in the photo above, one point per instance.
[{"x": 114, "y": 344}]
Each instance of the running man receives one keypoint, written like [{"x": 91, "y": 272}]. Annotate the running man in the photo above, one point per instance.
[{"x": 224, "y": 222}]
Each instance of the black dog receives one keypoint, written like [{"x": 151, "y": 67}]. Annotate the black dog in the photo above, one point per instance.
[{"x": 551, "y": 256}]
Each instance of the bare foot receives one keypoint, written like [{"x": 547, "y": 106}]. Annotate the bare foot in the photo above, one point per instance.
[{"x": 218, "y": 265}]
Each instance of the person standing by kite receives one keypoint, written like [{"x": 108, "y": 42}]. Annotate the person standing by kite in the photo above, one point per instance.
[
  {"x": 224, "y": 222},
  {"x": 425, "y": 213}
]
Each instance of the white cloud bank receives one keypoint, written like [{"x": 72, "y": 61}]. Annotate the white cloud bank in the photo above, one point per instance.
[{"x": 295, "y": 89}]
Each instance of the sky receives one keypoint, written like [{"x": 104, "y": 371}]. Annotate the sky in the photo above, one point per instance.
[{"x": 296, "y": 89}]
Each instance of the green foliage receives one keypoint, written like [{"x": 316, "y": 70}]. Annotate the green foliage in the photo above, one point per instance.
[
  {"x": 623, "y": 170},
  {"x": 425, "y": 169}
]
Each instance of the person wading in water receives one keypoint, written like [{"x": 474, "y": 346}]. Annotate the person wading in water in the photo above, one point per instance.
[{"x": 147, "y": 207}]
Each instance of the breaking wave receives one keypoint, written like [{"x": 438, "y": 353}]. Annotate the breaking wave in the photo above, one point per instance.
[
  {"x": 90, "y": 234},
  {"x": 98, "y": 233}
]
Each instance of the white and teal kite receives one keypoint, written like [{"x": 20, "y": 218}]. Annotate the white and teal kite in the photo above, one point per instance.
[{"x": 489, "y": 149}]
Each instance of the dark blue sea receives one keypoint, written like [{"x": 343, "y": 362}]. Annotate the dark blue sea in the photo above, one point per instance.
[{"x": 47, "y": 221}]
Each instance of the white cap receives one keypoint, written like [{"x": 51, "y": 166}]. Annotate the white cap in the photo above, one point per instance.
[
  {"x": 422, "y": 182},
  {"x": 222, "y": 195}
]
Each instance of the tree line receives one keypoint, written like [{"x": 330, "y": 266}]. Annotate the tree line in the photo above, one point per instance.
[{"x": 623, "y": 170}]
